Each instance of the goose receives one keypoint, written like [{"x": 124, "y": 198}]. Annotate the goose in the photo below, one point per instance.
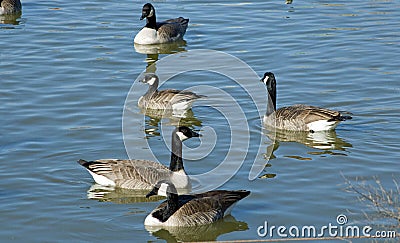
[
  {"x": 169, "y": 99},
  {"x": 160, "y": 32},
  {"x": 191, "y": 210},
  {"x": 143, "y": 174},
  {"x": 299, "y": 117},
  {"x": 10, "y": 7}
]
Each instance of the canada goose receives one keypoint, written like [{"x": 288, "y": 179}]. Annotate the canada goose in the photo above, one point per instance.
[
  {"x": 143, "y": 174},
  {"x": 299, "y": 117},
  {"x": 10, "y": 6},
  {"x": 191, "y": 210},
  {"x": 160, "y": 32},
  {"x": 169, "y": 99}
]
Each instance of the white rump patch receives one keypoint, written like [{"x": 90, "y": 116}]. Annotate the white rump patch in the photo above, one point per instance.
[
  {"x": 322, "y": 125},
  {"x": 102, "y": 180},
  {"x": 184, "y": 105},
  {"x": 151, "y": 221}
]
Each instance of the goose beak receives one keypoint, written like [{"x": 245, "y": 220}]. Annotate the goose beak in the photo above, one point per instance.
[
  {"x": 143, "y": 16},
  {"x": 151, "y": 193}
]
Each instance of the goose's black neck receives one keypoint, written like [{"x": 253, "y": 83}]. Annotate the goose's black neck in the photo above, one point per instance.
[
  {"x": 176, "y": 162},
  {"x": 172, "y": 206},
  {"x": 272, "y": 93},
  {"x": 151, "y": 22}
]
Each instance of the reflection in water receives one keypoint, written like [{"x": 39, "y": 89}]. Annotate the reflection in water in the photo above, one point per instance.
[
  {"x": 119, "y": 195},
  {"x": 167, "y": 48},
  {"x": 154, "y": 117},
  {"x": 12, "y": 19},
  {"x": 152, "y": 52},
  {"x": 324, "y": 140},
  {"x": 208, "y": 232}
]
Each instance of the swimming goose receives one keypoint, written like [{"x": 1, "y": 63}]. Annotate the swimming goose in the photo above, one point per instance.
[
  {"x": 169, "y": 99},
  {"x": 191, "y": 210},
  {"x": 299, "y": 117},
  {"x": 10, "y": 6},
  {"x": 143, "y": 174},
  {"x": 160, "y": 32}
]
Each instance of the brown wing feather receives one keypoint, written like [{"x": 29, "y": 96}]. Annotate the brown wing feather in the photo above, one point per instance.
[
  {"x": 130, "y": 174},
  {"x": 305, "y": 113},
  {"x": 172, "y": 28},
  {"x": 209, "y": 206},
  {"x": 203, "y": 208},
  {"x": 11, "y": 6}
]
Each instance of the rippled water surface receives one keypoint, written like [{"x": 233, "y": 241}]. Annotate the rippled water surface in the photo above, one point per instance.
[{"x": 66, "y": 68}]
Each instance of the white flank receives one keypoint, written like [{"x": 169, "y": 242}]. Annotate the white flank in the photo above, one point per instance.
[
  {"x": 322, "y": 125},
  {"x": 184, "y": 105},
  {"x": 102, "y": 180},
  {"x": 151, "y": 221},
  {"x": 146, "y": 36}
]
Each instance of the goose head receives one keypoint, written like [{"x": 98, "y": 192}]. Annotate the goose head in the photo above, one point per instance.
[
  {"x": 184, "y": 133},
  {"x": 150, "y": 79},
  {"x": 147, "y": 11},
  {"x": 269, "y": 80},
  {"x": 162, "y": 188}
]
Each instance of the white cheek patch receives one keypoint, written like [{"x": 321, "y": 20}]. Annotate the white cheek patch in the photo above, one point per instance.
[
  {"x": 265, "y": 80},
  {"x": 151, "y": 13},
  {"x": 181, "y": 136},
  {"x": 163, "y": 190},
  {"x": 151, "y": 81}
]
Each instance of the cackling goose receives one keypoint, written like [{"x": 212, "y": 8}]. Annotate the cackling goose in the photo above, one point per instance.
[
  {"x": 169, "y": 99},
  {"x": 160, "y": 32},
  {"x": 191, "y": 210}
]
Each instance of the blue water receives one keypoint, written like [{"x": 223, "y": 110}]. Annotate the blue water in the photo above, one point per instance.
[{"x": 66, "y": 69}]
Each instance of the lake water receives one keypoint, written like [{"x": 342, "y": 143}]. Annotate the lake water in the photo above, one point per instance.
[{"x": 67, "y": 68}]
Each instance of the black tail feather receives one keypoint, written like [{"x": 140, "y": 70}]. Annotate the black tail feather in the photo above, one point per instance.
[
  {"x": 340, "y": 118},
  {"x": 344, "y": 118},
  {"x": 84, "y": 163}
]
